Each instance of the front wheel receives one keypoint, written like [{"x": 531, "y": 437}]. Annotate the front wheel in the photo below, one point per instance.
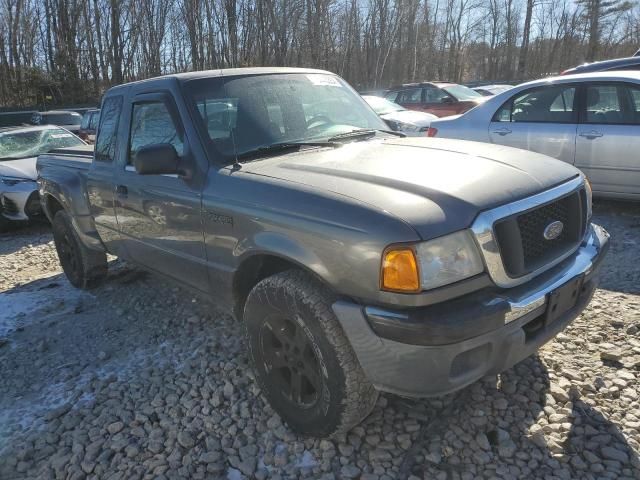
[
  {"x": 85, "y": 268},
  {"x": 304, "y": 362}
]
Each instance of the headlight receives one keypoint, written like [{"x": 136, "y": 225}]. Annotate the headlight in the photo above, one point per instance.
[
  {"x": 589, "y": 192},
  {"x": 431, "y": 264},
  {"x": 407, "y": 127},
  {"x": 14, "y": 180}
]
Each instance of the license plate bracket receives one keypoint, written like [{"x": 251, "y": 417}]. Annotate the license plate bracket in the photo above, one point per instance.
[{"x": 563, "y": 299}]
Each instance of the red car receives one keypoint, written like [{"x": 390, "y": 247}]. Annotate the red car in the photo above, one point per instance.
[{"x": 439, "y": 98}]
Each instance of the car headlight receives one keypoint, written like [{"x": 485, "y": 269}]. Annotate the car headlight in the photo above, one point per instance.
[
  {"x": 432, "y": 264},
  {"x": 407, "y": 127},
  {"x": 14, "y": 180}
]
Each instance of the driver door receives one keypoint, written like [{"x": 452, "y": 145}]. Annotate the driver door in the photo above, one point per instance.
[{"x": 159, "y": 216}]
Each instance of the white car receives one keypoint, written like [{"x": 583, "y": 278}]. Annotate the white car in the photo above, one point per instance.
[
  {"x": 19, "y": 150},
  {"x": 409, "y": 122},
  {"x": 591, "y": 120}
]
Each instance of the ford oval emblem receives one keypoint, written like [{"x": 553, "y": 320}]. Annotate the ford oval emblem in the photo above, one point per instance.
[{"x": 553, "y": 230}]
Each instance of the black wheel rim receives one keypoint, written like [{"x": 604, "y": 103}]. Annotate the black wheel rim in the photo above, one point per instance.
[
  {"x": 290, "y": 361},
  {"x": 67, "y": 255}
]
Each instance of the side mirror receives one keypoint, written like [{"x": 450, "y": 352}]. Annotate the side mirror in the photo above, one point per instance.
[
  {"x": 157, "y": 159},
  {"x": 446, "y": 100}
]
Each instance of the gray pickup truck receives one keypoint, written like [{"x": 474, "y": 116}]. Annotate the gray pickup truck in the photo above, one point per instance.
[{"x": 358, "y": 261}]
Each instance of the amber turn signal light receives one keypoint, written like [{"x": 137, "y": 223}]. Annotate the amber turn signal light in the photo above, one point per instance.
[{"x": 400, "y": 270}]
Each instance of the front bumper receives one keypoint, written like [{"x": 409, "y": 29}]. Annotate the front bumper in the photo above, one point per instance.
[
  {"x": 439, "y": 349},
  {"x": 20, "y": 201}
]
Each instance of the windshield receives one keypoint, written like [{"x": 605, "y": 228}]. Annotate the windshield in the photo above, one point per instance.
[
  {"x": 246, "y": 113},
  {"x": 461, "y": 92},
  {"x": 382, "y": 106},
  {"x": 32, "y": 143},
  {"x": 60, "y": 119}
]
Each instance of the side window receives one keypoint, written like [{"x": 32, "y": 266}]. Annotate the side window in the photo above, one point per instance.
[
  {"x": 434, "y": 95},
  {"x": 413, "y": 95},
  {"x": 392, "y": 96},
  {"x": 151, "y": 123},
  {"x": 107, "y": 131},
  {"x": 634, "y": 93},
  {"x": 86, "y": 119},
  {"x": 603, "y": 105},
  {"x": 541, "y": 105}
]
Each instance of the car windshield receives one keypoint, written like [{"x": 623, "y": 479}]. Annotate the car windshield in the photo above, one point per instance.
[
  {"x": 31, "y": 143},
  {"x": 461, "y": 92},
  {"x": 382, "y": 106},
  {"x": 70, "y": 118},
  {"x": 255, "y": 112}
]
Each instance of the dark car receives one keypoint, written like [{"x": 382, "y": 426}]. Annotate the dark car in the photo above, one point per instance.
[
  {"x": 15, "y": 119},
  {"x": 628, "y": 63},
  {"x": 89, "y": 125},
  {"x": 61, "y": 118},
  {"x": 439, "y": 98}
]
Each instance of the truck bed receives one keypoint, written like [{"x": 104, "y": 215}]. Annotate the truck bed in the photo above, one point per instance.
[{"x": 72, "y": 157}]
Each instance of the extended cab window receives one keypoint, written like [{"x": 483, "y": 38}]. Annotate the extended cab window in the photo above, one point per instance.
[
  {"x": 152, "y": 123},
  {"x": 107, "y": 132},
  {"x": 541, "y": 105}
]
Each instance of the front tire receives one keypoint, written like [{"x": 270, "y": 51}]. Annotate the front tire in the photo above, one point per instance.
[
  {"x": 85, "y": 268},
  {"x": 304, "y": 362}
]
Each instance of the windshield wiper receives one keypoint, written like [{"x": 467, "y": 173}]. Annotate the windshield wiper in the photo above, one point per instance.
[
  {"x": 363, "y": 133},
  {"x": 283, "y": 147}
]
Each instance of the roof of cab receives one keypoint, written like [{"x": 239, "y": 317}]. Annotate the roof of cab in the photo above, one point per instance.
[{"x": 227, "y": 72}]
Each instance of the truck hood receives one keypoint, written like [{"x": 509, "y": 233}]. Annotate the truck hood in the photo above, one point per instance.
[
  {"x": 436, "y": 185},
  {"x": 22, "y": 168}
]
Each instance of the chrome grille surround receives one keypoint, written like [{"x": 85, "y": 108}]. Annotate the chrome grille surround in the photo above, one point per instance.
[{"x": 485, "y": 236}]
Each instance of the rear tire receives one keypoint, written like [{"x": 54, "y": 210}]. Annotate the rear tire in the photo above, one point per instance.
[
  {"x": 304, "y": 362},
  {"x": 85, "y": 268}
]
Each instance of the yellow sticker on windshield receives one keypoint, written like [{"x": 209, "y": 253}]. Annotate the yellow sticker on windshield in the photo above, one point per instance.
[{"x": 324, "y": 80}]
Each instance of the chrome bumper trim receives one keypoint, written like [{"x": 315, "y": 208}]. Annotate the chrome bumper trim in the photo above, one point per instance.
[{"x": 524, "y": 301}]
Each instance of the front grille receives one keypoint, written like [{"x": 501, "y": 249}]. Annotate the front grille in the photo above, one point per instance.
[
  {"x": 9, "y": 206},
  {"x": 521, "y": 237}
]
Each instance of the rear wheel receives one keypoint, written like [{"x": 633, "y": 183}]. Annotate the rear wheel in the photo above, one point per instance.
[
  {"x": 85, "y": 268},
  {"x": 304, "y": 362}
]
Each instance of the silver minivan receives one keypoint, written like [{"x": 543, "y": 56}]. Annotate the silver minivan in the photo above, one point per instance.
[{"x": 589, "y": 120}]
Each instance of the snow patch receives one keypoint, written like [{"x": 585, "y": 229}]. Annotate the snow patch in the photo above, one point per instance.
[{"x": 26, "y": 305}]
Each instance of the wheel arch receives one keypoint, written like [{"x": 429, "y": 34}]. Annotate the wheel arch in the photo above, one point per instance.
[
  {"x": 51, "y": 205},
  {"x": 258, "y": 266}
]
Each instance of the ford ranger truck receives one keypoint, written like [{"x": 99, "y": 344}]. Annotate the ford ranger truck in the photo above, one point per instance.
[{"x": 357, "y": 261}]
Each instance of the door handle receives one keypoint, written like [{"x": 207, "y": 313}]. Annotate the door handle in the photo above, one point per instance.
[
  {"x": 122, "y": 190},
  {"x": 502, "y": 131},
  {"x": 590, "y": 135}
]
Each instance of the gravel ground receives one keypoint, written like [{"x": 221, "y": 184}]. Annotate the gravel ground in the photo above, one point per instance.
[{"x": 139, "y": 379}]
